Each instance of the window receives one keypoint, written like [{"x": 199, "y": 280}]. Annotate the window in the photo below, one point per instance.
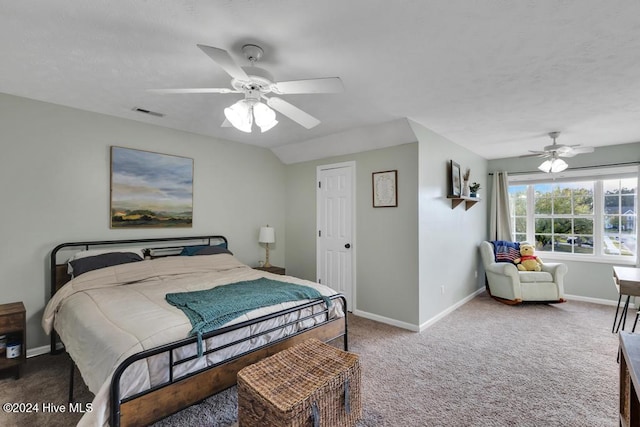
[
  {"x": 620, "y": 216},
  {"x": 586, "y": 216}
]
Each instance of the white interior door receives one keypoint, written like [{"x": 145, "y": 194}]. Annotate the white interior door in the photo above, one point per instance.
[{"x": 335, "y": 242}]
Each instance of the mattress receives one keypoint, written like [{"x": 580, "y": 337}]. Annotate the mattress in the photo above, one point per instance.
[{"x": 107, "y": 315}]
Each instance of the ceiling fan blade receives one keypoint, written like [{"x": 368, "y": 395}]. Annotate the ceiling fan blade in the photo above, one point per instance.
[
  {"x": 536, "y": 154},
  {"x": 225, "y": 61},
  {"x": 575, "y": 151},
  {"x": 293, "y": 112},
  {"x": 582, "y": 150},
  {"x": 195, "y": 90},
  {"x": 567, "y": 154},
  {"x": 324, "y": 85}
]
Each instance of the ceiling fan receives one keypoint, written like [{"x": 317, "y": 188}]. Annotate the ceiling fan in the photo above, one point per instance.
[
  {"x": 255, "y": 83},
  {"x": 553, "y": 153}
]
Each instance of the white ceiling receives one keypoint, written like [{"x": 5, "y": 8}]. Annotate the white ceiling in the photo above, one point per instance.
[{"x": 494, "y": 76}]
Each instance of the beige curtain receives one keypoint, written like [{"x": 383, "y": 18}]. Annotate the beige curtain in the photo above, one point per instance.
[{"x": 500, "y": 217}]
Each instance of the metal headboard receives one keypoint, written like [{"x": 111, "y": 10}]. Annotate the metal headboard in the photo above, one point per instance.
[{"x": 58, "y": 271}]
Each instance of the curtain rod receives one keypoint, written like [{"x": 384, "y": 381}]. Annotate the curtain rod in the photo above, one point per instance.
[{"x": 577, "y": 168}]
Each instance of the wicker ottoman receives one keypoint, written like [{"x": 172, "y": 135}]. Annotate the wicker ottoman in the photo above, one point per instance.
[{"x": 310, "y": 384}]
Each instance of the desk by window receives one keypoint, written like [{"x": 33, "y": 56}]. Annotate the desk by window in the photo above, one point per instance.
[{"x": 627, "y": 281}]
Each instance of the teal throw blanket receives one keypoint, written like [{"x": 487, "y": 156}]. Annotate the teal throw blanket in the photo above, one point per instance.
[{"x": 211, "y": 308}]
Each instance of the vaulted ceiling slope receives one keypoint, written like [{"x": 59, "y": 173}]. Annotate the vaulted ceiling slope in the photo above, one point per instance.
[{"x": 492, "y": 76}]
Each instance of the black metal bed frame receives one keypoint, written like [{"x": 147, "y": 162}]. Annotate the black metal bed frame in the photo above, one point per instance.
[
  {"x": 115, "y": 398},
  {"x": 97, "y": 243}
]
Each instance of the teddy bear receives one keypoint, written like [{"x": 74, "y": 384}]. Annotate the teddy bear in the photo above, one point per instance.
[{"x": 528, "y": 261}]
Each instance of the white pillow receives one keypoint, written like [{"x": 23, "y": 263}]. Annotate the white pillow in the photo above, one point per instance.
[{"x": 94, "y": 252}]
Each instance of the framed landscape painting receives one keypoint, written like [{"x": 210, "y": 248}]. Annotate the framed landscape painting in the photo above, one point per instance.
[{"x": 150, "y": 189}]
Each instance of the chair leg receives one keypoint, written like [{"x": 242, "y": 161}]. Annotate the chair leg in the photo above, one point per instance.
[
  {"x": 635, "y": 322},
  {"x": 623, "y": 315},
  {"x": 613, "y": 328}
]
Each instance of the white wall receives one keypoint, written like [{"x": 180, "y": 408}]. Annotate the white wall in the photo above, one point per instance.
[
  {"x": 449, "y": 238},
  {"x": 54, "y": 188},
  {"x": 584, "y": 279}
]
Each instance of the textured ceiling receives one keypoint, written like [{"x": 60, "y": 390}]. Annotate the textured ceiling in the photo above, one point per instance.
[{"x": 493, "y": 76}]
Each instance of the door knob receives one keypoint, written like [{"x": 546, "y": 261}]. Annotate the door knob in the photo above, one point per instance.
[{"x": 347, "y": 246}]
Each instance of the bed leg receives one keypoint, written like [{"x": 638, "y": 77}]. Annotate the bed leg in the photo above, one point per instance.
[
  {"x": 346, "y": 328},
  {"x": 71, "y": 373}
]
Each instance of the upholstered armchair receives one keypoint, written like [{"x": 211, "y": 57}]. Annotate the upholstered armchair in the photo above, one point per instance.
[{"x": 509, "y": 285}]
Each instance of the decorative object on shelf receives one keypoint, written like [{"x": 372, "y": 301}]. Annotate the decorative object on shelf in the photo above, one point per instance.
[
  {"x": 150, "y": 190},
  {"x": 267, "y": 235},
  {"x": 385, "y": 189},
  {"x": 14, "y": 349},
  {"x": 465, "y": 182},
  {"x": 473, "y": 189},
  {"x": 454, "y": 179}
]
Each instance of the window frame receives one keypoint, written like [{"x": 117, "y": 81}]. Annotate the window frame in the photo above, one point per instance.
[{"x": 597, "y": 176}]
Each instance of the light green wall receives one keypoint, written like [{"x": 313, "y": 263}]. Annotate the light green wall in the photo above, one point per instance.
[
  {"x": 386, "y": 238},
  {"x": 588, "y": 280},
  {"x": 449, "y": 238},
  {"x": 54, "y": 188}
]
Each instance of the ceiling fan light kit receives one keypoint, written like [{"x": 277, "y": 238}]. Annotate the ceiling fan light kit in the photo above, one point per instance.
[
  {"x": 240, "y": 116},
  {"x": 553, "y": 166},
  {"x": 553, "y": 152},
  {"x": 254, "y": 83}
]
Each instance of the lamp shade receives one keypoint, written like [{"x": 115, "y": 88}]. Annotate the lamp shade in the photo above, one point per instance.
[
  {"x": 553, "y": 165},
  {"x": 267, "y": 235},
  {"x": 264, "y": 116},
  {"x": 239, "y": 115}
]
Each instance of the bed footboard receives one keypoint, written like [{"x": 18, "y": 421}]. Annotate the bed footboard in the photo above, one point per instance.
[{"x": 175, "y": 394}]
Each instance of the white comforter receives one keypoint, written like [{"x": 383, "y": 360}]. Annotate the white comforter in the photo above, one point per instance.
[{"x": 106, "y": 315}]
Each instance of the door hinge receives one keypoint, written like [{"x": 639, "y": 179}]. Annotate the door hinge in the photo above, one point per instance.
[
  {"x": 319, "y": 184},
  {"x": 319, "y": 280},
  {"x": 319, "y": 233}
]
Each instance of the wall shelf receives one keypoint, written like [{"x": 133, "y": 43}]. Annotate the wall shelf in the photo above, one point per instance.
[{"x": 468, "y": 201}]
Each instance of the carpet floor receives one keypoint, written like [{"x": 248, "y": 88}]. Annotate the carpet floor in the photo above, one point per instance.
[{"x": 485, "y": 364}]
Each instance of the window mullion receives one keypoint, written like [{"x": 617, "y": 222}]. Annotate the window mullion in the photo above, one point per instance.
[
  {"x": 598, "y": 217},
  {"x": 531, "y": 234}
]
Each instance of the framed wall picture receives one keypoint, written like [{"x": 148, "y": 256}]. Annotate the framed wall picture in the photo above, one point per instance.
[
  {"x": 385, "y": 189},
  {"x": 454, "y": 181},
  {"x": 150, "y": 190}
]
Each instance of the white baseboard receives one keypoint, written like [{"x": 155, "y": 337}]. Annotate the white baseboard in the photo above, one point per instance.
[
  {"x": 37, "y": 351},
  {"x": 386, "y": 320},
  {"x": 412, "y": 327},
  {"x": 45, "y": 349},
  {"x": 598, "y": 300},
  {"x": 442, "y": 314}
]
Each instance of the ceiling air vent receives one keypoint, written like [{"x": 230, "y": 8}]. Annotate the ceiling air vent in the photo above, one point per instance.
[{"x": 152, "y": 113}]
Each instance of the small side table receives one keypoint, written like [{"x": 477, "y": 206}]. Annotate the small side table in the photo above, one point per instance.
[
  {"x": 273, "y": 269},
  {"x": 13, "y": 324}
]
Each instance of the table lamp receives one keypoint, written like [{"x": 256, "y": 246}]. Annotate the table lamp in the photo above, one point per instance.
[{"x": 267, "y": 235}]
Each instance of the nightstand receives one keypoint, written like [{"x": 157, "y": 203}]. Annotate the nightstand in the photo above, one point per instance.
[
  {"x": 273, "y": 269},
  {"x": 13, "y": 324}
]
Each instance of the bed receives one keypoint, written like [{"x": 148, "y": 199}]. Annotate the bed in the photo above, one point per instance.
[{"x": 137, "y": 353}]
